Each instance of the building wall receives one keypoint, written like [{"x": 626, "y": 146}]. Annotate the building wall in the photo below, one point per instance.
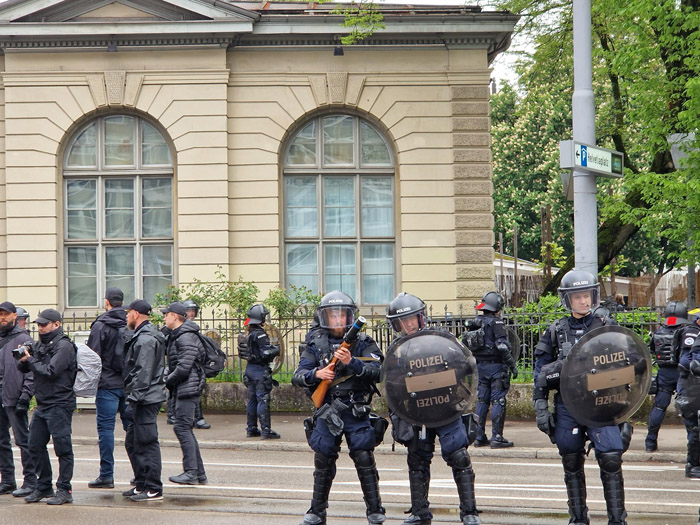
[{"x": 228, "y": 115}]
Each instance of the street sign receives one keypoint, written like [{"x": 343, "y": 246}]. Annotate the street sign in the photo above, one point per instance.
[{"x": 599, "y": 161}]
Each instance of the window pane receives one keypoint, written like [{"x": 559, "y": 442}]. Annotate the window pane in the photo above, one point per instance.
[
  {"x": 377, "y": 207},
  {"x": 83, "y": 153},
  {"x": 302, "y": 265},
  {"x": 81, "y": 204},
  {"x": 155, "y": 285},
  {"x": 154, "y": 149},
  {"x": 338, "y": 139},
  {"x": 157, "y": 212},
  {"x": 157, "y": 270},
  {"x": 303, "y": 148},
  {"x": 374, "y": 150},
  {"x": 377, "y": 273},
  {"x": 119, "y": 141},
  {"x": 339, "y": 206},
  {"x": 119, "y": 265},
  {"x": 301, "y": 217},
  {"x": 340, "y": 268},
  {"x": 82, "y": 276},
  {"x": 119, "y": 209}
]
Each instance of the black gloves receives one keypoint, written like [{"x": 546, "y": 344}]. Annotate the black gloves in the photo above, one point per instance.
[
  {"x": 545, "y": 419},
  {"x": 22, "y": 406}
]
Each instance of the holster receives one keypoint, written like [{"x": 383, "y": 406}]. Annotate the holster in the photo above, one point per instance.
[
  {"x": 379, "y": 425},
  {"x": 471, "y": 424},
  {"x": 309, "y": 424},
  {"x": 330, "y": 415},
  {"x": 654, "y": 386},
  {"x": 401, "y": 431}
]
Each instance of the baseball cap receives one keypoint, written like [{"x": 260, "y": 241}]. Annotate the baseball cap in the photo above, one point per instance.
[
  {"x": 48, "y": 316},
  {"x": 176, "y": 307},
  {"x": 114, "y": 294},
  {"x": 8, "y": 307},
  {"x": 140, "y": 306}
]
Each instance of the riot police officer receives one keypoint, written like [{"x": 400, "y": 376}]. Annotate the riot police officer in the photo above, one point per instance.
[
  {"x": 688, "y": 386},
  {"x": 579, "y": 293},
  {"x": 495, "y": 362},
  {"x": 664, "y": 351},
  {"x": 406, "y": 313},
  {"x": 258, "y": 376},
  {"x": 345, "y": 409}
]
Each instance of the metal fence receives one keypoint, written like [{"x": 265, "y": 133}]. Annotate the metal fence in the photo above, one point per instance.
[{"x": 291, "y": 331}]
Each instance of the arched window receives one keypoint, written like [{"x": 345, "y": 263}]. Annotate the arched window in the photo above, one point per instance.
[
  {"x": 339, "y": 229},
  {"x": 118, "y": 211}
]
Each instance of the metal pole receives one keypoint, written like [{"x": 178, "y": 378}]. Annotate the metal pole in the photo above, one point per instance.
[
  {"x": 502, "y": 288},
  {"x": 583, "y": 112}
]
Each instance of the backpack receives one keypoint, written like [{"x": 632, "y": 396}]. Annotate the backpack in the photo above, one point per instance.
[
  {"x": 243, "y": 348},
  {"x": 89, "y": 371},
  {"x": 215, "y": 358},
  {"x": 117, "y": 363},
  {"x": 665, "y": 345}
]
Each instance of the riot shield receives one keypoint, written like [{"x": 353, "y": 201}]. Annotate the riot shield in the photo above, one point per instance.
[
  {"x": 688, "y": 397},
  {"x": 429, "y": 378},
  {"x": 513, "y": 342},
  {"x": 276, "y": 339},
  {"x": 606, "y": 376}
]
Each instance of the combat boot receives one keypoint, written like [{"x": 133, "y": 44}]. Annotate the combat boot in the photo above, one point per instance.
[
  {"x": 499, "y": 441},
  {"x": 497, "y": 423},
  {"x": 369, "y": 482},
  {"x": 575, "y": 480},
  {"x": 463, "y": 474},
  {"x": 692, "y": 466},
  {"x": 324, "y": 473},
  {"x": 419, "y": 483},
  {"x": 613, "y": 486}
]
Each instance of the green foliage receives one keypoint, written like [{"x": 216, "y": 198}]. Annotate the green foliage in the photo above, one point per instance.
[
  {"x": 363, "y": 19},
  {"x": 286, "y": 302}
]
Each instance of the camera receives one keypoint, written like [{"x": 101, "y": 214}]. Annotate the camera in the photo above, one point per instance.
[{"x": 18, "y": 353}]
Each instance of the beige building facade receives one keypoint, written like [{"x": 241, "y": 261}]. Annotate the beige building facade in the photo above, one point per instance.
[{"x": 147, "y": 142}]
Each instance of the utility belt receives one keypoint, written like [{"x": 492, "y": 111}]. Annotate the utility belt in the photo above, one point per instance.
[
  {"x": 405, "y": 433},
  {"x": 488, "y": 360},
  {"x": 330, "y": 414}
]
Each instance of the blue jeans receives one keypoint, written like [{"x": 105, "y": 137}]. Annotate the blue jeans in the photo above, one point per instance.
[{"x": 108, "y": 403}]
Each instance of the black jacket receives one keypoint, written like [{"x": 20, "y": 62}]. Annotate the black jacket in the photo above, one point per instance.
[
  {"x": 185, "y": 357},
  {"x": 15, "y": 384},
  {"x": 144, "y": 366},
  {"x": 104, "y": 337},
  {"x": 54, "y": 365}
]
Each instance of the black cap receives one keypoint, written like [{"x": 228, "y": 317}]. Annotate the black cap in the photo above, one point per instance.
[
  {"x": 8, "y": 307},
  {"x": 177, "y": 307},
  {"x": 140, "y": 306},
  {"x": 114, "y": 294},
  {"x": 48, "y": 316}
]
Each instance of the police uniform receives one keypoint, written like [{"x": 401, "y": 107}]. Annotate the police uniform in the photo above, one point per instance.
[
  {"x": 689, "y": 352},
  {"x": 258, "y": 380},
  {"x": 344, "y": 413}
]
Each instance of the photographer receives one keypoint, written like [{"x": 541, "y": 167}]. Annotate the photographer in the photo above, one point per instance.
[
  {"x": 17, "y": 390},
  {"x": 53, "y": 362}
]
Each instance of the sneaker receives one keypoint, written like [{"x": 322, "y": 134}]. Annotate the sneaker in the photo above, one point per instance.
[
  {"x": 692, "y": 471},
  {"x": 499, "y": 442},
  {"x": 415, "y": 519},
  {"x": 202, "y": 424},
  {"x": 62, "y": 496},
  {"x": 485, "y": 442},
  {"x": 101, "y": 483},
  {"x": 148, "y": 495},
  {"x": 131, "y": 492},
  {"x": 23, "y": 492},
  {"x": 202, "y": 479},
  {"x": 186, "y": 478},
  {"x": 37, "y": 495},
  {"x": 7, "y": 488},
  {"x": 252, "y": 433},
  {"x": 471, "y": 519},
  {"x": 270, "y": 434}
]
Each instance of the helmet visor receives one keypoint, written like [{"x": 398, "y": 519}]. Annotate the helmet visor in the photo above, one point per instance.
[
  {"x": 336, "y": 317},
  {"x": 581, "y": 301},
  {"x": 409, "y": 324}
]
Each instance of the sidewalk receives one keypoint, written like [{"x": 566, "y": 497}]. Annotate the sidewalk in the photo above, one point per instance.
[{"x": 228, "y": 432}]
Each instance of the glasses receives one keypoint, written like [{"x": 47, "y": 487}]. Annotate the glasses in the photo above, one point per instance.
[{"x": 42, "y": 324}]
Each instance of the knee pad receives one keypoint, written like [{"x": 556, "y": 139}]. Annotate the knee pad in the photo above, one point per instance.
[
  {"x": 610, "y": 461},
  {"x": 459, "y": 459},
  {"x": 416, "y": 462},
  {"x": 573, "y": 462},
  {"x": 501, "y": 401},
  {"x": 265, "y": 398},
  {"x": 362, "y": 458},
  {"x": 323, "y": 462}
]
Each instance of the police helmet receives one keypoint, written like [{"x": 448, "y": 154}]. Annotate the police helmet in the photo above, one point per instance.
[
  {"x": 191, "y": 305},
  {"x": 22, "y": 313},
  {"x": 491, "y": 302},
  {"x": 675, "y": 313},
  {"x": 401, "y": 308},
  {"x": 577, "y": 281},
  {"x": 257, "y": 314},
  {"x": 334, "y": 304}
]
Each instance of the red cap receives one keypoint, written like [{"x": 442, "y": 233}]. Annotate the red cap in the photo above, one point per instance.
[{"x": 479, "y": 306}]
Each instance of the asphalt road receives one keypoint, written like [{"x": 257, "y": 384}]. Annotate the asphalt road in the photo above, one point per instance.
[{"x": 273, "y": 486}]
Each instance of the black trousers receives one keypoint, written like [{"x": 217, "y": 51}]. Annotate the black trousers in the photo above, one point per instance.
[
  {"x": 18, "y": 421},
  {"x": 143, "y": 448},
  {"x": 184, "y": 422},
  {"x": 52, "y": 422}
]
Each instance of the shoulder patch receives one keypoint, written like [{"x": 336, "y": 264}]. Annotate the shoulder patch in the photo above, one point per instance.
[
  {"x": 262, "y": 335},
  {"x": 499, "y": 321},
  {"x": 689, "y": 341},
  {"x": 375, "y": 356}
]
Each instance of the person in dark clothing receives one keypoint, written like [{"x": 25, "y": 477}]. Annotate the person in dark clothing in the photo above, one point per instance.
[
  {"x": 579, "y": 292},
  {"x": 53, "y": 363},
  {"x": 258, "y": 375},
  {"x": 345, "y": 409},
  {"x": 406, "y": 314},
  {"x": 192, "y": 309},
  {"x": 107, "y": 338},
  {"x": 144, "y": 388},
  {"x": 496, "y": 364},
  {"x": 16, "y": 390},
  {"x": 663, "y": 348},
  {"x": 689, "y": 371},
  {"x": 186, "y": 379}
]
